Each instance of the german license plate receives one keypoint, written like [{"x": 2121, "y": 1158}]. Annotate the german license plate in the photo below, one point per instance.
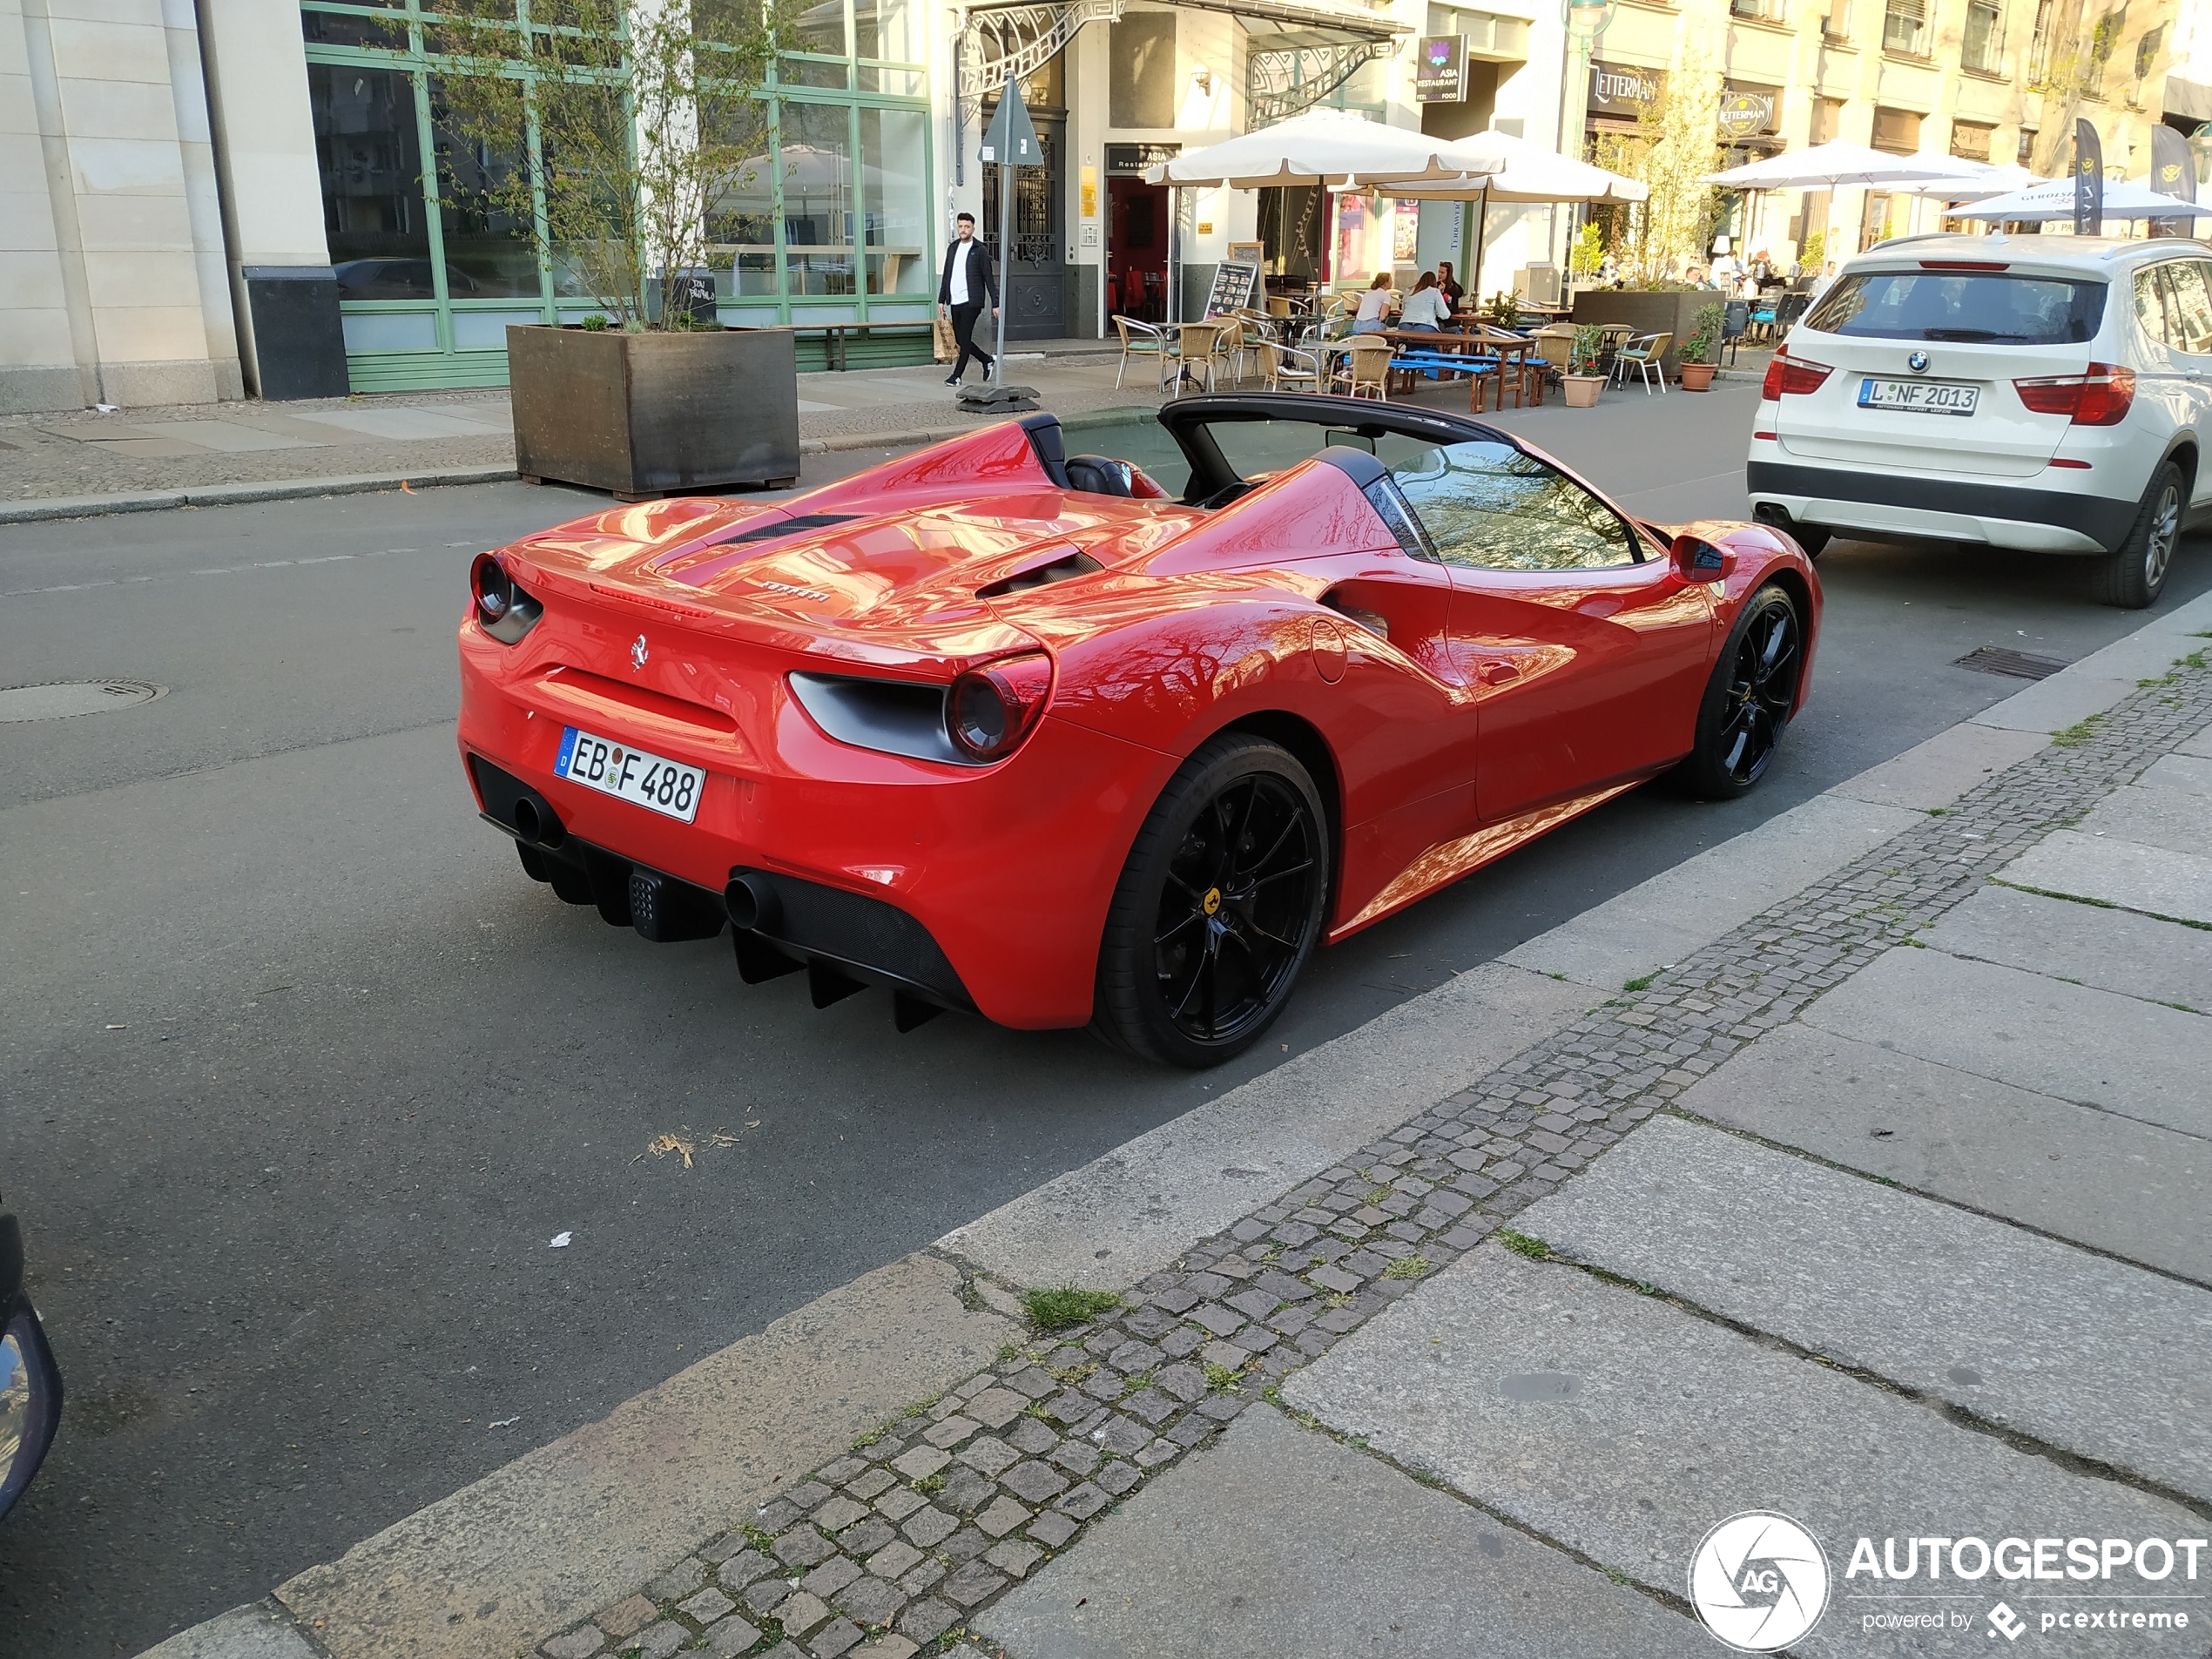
[
  {"x": 1919, "y": 397},
  {"x": 627, "y": 773}
]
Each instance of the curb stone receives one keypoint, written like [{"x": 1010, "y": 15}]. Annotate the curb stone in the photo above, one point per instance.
[{"x": 933, "y": 1515}]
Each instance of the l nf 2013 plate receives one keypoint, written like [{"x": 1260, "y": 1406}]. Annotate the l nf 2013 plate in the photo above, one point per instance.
[
  {"x": 1919, "y": 397},
  {"x": 627, "y": 773}
]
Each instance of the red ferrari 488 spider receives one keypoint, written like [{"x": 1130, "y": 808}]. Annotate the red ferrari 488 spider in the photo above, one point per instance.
[{"x": 1110, "y": 739}]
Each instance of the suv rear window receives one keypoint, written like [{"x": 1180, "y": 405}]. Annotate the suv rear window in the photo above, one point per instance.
[{"x": 1972, "y": 306}]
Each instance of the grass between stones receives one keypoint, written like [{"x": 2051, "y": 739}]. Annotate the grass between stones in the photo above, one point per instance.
[{"x": 1056, "y": 1310}]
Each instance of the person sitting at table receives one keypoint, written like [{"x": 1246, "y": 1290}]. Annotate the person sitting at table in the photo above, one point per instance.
[
  {"x": 1374, "y": 307},
  {"x": 1448, "y": 284},
  {"x": 1426, "y": 306}
]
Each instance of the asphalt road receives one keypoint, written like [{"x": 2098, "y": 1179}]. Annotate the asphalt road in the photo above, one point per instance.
[{"x": 300, "y": 1073}]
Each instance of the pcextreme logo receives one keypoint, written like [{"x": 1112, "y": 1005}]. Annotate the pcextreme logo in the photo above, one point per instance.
[{"x": 1759, "y": 1581}]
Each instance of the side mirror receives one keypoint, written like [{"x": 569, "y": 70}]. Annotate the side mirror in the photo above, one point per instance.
[{"x": 1699, "y": 560}]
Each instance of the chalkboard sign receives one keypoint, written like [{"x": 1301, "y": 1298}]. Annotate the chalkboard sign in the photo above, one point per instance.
[{"x": 1233, "y": 282}]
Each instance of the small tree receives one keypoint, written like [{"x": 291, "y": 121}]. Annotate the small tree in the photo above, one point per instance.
[
  {"x": 640, "y": 118},
  {"x": 1586, "y": 256},
  {"x": 1675, "y": 145}
]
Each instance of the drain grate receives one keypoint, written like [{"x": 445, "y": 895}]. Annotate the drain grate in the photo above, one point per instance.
[
  {"x": 66, "y": 697},
  {"x": 2020, "y": 664}
]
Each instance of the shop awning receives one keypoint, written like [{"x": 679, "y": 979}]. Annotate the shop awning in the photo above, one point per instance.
[
  {"x": 1342, "y": 17},
  {"x": 2191, "y": 100}
]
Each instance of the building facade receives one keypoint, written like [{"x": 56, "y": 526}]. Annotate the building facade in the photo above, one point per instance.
[{"x": 262, "y": 198}]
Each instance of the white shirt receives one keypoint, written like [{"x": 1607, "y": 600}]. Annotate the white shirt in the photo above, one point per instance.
[
  {"x": 1425, "y": 305},
  {"x": 958, "y": 290},
  {"x": 1372, "y": 303}
]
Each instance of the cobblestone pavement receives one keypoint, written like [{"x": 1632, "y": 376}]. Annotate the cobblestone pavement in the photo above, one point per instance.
[{"x": 891, "y": 1548}]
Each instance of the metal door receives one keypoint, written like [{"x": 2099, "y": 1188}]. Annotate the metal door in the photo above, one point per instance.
[{"x": 1034, "y": 282}]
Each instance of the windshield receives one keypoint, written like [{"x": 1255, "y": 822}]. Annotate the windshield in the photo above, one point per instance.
[{"x": 1972, "y": 306}]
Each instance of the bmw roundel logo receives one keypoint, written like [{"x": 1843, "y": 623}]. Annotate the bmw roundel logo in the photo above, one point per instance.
[{"x": 1917, "y": 362}]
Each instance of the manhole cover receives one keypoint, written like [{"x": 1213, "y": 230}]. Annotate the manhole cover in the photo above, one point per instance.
[
  {"x": 2020, "y": 664},
  {"x": 61, "y": 700}
]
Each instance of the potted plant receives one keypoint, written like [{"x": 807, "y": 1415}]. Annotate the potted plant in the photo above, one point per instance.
[
  {"x": 1583, "y": 379},
  {"x": 1697, "y": 372},
  {"x": 645, "y": 123}
]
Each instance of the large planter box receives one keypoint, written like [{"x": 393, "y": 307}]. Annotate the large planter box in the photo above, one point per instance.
[
  {"x": 1649, "y": 313},
  {"x": 654, "y": 414}
]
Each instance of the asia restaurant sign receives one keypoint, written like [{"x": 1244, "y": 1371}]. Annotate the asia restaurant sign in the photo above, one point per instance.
[
  {"x": 1440, "y": 71},
  {"x": 1622, "y": 91}
]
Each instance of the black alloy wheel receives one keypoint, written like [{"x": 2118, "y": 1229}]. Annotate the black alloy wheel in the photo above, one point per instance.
[
  {"x": 1748, "y": 700},
  {"x": 1218, "y": 907}
]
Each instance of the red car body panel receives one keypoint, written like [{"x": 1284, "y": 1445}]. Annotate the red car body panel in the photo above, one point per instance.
[{"x": 1500, "y": 704}]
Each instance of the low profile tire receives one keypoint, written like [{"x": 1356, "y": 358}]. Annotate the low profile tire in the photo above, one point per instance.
[
  {"x": 1218, "y": 909},
  {"x": 1748, "y": 700},
  {"x": 2132, "y": 576}
]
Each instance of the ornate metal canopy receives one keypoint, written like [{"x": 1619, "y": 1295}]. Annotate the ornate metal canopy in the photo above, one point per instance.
[{"x": 1294, "y": 68}]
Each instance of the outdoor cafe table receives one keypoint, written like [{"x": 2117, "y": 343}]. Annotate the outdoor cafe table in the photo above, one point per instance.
[{"x": 1511, "y": 351}]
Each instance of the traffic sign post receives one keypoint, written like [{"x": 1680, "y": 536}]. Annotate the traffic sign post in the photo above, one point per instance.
[{"x": 1012, "y": 142}]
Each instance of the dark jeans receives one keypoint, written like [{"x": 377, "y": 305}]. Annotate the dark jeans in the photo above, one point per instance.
[{"x": 964, "y": 331}]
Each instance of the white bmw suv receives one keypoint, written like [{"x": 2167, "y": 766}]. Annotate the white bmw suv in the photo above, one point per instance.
[{"x": 2050, "y": 393}]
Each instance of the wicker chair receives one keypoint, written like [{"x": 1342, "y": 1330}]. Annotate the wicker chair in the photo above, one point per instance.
[
  {"x": 1144, "y": 339},
  {"x": 1201, "y": 344},
  {"x": 1370, "y": 368},
  {"x": 1643, "y": 354},
  {"x": 1284, "y": 369}
]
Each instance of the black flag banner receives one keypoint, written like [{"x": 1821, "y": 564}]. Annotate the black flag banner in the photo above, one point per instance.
[
  {"x": 2173, "y": 172},
  {"x": 2089, "y": 180}
]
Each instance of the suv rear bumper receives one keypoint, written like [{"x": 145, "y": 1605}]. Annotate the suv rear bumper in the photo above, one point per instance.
[{"x": 2036, "y": 521}]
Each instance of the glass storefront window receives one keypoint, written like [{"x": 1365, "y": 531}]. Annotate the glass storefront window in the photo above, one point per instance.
[
  {"x": 889, "y": 30},
  {"x": 741, "y": 223},
  {"x": 895, "y": 200},
  {"x": 370, "y": 153},
  {"x": 338, "y": 29},
  {"x": 489, "y": 251},
  {"x": 816, "y": 171}
]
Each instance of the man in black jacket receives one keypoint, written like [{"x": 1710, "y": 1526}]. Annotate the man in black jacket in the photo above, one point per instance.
[{"x": 968, "y": 278}]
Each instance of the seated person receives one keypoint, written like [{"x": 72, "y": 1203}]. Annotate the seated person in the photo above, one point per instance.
[
  {"x": 1374, "y": 307},
  {"x": 1448, "y": 284},
  {"x": 1426, "y": 306}
]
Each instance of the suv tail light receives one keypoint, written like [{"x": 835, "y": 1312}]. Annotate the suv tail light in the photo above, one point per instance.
[
  {"x": 1788, "y": 376},
  {"x": 994, "y": 707},
  {"x": 2100, "y": 397},
  {"x": 503, "y": 607}
]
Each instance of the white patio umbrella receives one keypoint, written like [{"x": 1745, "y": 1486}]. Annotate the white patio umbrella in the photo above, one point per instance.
[
  {"x": 1531, "y": 174},
  {"x": 1825, "y": 166},
  {"x": 2053, "y": 198},
  {"x": 1973, "y": 186},
  {"x": 1334, "y": 147}
]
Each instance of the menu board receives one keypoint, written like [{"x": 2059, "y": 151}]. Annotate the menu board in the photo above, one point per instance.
[{"x": 1234, "y": 283}]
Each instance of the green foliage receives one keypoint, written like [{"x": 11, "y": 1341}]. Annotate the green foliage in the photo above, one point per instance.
[
  {"x": 1812, "y": 251},
  {"x": 593, "y": 324},
  {"x": 1524, "y": 1245},
  {"x": 1502, "y": 309},
  {"x": 1406, "y": 1267},
  {"x": 642, "y": 119},
  {"x": 1704, "y": 334},
  {"x": 1674, "y": 146},
  {"x": 1220, "y": 1378},
  {"x": 1586, "y": 349},
  {"x": 928, "y": 1484},
  {"x": 1056, "y": 1310},
  {"x": 1643, "y": 981},
  {"x": 1586, "y": 256}
]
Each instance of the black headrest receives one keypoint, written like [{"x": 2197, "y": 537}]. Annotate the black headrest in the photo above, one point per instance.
[{"x": 1100, "y": 476}]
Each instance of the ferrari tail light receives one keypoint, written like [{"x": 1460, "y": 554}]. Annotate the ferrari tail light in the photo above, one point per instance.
[
  {"x": 503, "y": 607},
  {"x": 2100, "y": 397},
  {"x": 992, "y": 708},
  {"x": 1788, "y": 376}
]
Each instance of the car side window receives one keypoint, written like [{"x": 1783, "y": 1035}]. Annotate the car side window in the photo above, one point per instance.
[
  {"x": 2189, "y": 327},
  {"x": 1488, "y": 505},
  {"x": 2150, "y": 305}
]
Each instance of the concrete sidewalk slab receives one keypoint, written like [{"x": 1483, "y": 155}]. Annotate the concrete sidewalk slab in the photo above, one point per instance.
[
  {"x": 1937, "y": 772},
  {"x": 1625, "y": 1428},
  {"x": 1663, "y": 920},
  {"x": 256, "y": 1632},
  {"x": 2113, "y": 950},
  {"x": 399, "y": 424},
  {"x": 1282, "y": 1542},
  {"x": 1133, "y": 1211},
  {"x": 2076, "y": 1349},
  {"x": 2199, "y": 744},
  {"x": 2067, "y": 698},
  {"x": 2190, "y": 774},
  {"x": 2071, "y": 1042},
  {"x": 2156, "y": 880},
  {"x": 566, "y": 1529},
  {"x": 226, "y": 437},
  {"x": 2109, "y": 1183},
  {"x": 2151, "y": 815}
]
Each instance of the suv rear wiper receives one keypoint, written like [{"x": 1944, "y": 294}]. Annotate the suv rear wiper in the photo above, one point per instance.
[{"x": 1969, "y": 334}]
